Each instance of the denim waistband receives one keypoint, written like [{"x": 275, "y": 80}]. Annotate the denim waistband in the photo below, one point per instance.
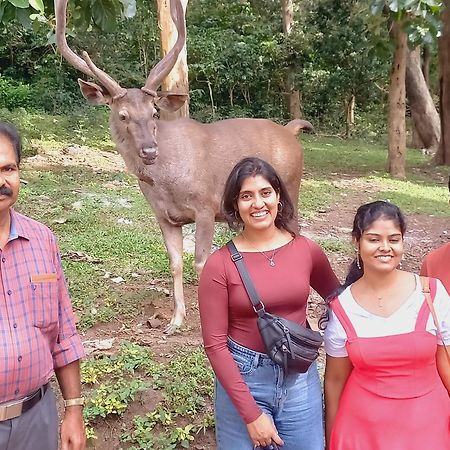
[{"x": 258, "y": 358}]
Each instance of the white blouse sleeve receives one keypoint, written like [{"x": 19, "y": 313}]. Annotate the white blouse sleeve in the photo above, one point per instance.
[
  {"x": 335, "y": 337},
  {"x": 442, "y": 308}
]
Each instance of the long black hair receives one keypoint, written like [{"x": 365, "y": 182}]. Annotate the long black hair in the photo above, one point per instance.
[
  {"x": 365, "y": 216},
  {"x": 251, "y": 167}
]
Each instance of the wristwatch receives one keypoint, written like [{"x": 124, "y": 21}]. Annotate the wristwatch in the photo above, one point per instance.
[{"x": 79, "y": 401}]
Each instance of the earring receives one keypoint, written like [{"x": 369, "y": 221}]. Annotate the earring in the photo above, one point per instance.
[
  {"x": 280, "y": 206},
  {"x": 358, "y": 263},
  {"x": 237, "y": 216}
]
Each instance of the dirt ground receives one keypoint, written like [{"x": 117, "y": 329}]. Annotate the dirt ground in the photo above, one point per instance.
[{"x": 424, "y": 233}]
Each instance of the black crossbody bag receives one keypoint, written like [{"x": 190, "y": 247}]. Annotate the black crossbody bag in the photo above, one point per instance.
[{"x": 289, "y": 344}]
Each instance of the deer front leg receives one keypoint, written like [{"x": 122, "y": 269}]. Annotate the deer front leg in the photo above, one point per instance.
[
  {"x": 173, "y": 239},
  {"x": 204, "y": 232}
]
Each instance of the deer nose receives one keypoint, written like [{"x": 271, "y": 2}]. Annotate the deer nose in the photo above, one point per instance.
[{"x": 148, "y": 154}]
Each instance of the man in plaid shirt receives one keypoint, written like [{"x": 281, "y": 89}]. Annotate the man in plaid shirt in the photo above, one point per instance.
[{"x": 37, "y": 328}]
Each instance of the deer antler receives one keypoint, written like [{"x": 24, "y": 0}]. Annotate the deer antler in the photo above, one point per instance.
[
  {"x": 87, "y": 66},
  {"x": 159, "y": 72}
]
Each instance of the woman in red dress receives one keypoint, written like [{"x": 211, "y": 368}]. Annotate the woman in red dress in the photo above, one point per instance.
[{"x": 387, "y": 378}]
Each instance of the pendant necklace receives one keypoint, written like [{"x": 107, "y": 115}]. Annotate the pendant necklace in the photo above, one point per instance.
[
  {"x": 269, "y": 258},
  {"x": 378, "y": 297}
]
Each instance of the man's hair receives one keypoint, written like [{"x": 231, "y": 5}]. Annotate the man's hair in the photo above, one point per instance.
[{"x": 10, "y": 132}]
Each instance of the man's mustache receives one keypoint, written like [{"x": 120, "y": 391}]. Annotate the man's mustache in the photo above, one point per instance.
[{"x": 5, "y": 190}]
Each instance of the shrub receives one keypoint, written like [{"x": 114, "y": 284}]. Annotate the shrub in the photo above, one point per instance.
[{"x": 14, "y": 94}]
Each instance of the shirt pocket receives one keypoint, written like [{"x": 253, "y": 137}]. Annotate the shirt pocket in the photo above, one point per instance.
[{"x": 44, "y": 297}]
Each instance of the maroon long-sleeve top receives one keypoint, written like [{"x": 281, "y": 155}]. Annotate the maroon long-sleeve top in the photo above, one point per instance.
[{"x": 226, "y": 310}]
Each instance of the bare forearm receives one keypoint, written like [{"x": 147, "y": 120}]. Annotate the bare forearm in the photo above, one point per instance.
[
  {"x": 73, "y": 435},
  {"x": 333, "y": 393},
  {"x": 69, "y": 380}
]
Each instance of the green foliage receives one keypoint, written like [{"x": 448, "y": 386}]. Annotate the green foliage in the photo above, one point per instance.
[
  {"x": 420, "y": 18},
  {"x": 14, "y": 94},
  {"x": 102, "y": 13},
  {"x": 187, "y": 383},
  {"x": 113, "y": 398},
  {"x": 118, "y": 378},
  {"x": 343, "y": 62},
  {"x": 237, "y": 53}
]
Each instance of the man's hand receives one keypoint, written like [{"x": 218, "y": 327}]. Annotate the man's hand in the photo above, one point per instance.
[
  {"x": 73, "y": 436},
  {"x": 262, "y": 431}
]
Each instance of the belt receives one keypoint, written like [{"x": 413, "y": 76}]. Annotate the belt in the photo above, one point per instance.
[{"x": 15, "y": 408}]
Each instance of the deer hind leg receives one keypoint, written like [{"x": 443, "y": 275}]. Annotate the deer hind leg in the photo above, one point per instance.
[
  {"x": 204, "y": 232},
  {"x": 173, "y": 239}
]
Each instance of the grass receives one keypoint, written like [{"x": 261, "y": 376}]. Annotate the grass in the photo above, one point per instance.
[
  {"x": 89, "y": 127},
  {"x": 109, "y": 223},
  {"x": 423, "y": 192}
]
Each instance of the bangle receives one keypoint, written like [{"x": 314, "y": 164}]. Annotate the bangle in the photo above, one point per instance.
[{"x": 79, "y": 401}]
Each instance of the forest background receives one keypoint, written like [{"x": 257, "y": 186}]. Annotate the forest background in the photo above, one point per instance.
[{"x": 339, "y": 54}]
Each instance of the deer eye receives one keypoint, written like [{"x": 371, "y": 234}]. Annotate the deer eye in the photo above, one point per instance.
[{"x": 123, "y": 115}]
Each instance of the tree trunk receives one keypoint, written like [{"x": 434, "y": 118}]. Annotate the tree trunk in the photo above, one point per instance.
[
  {"x": 426, "y": 61},
  {"x": 443, "y": 154},
  {"x": 350, "y": 115},
  {"x": 292, "y": 96},
  {"x": 397, "y": 106},
  {"x": 423, "y": 112},
  {"x": 177, "y": 80}
]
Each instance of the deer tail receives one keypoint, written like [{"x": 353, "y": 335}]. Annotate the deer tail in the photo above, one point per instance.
[{"x": 294, "y": 126}]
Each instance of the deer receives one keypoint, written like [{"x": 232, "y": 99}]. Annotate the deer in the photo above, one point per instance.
[{"x": 181, "y": 164}]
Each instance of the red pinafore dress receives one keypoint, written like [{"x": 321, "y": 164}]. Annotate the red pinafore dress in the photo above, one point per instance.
[{"x": 394, "y": 398}]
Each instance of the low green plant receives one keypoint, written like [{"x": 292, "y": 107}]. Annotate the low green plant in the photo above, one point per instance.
[
  {"x": 186, "y": 383},
  {"x": 112, "y": 398},
  {"x": 14, "y": 94}
]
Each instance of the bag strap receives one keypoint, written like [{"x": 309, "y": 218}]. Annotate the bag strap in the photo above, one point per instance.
[
  {"x": 429, "y": 297},
  {"x": 236, "y": 257}
]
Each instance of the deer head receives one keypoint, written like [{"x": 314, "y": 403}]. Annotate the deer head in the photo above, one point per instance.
[{"x": 133, "y": 111}]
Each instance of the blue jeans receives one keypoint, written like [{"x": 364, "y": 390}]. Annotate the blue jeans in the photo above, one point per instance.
[{"x": 294, "y": 402}]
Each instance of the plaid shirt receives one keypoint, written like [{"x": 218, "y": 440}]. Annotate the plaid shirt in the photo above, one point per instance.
[{"x": 37, "y": 327}]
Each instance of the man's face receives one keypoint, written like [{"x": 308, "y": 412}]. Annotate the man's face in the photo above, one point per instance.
[{"x": 9, "y": 175}]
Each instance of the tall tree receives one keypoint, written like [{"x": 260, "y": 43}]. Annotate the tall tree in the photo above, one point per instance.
[
  {"x": 292, "y": 94},
  {"x": 407, "y": 19},
  {"x": 177, "y": 80},
  {"x": 397, "y": 103},
  {"x": 425, "y": 117},
  {"x": 443, "y": 154}
]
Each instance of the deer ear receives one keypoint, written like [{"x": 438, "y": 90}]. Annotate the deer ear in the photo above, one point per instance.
[
  {"x": 169, "y": 101},
  {"x": 93, "y": 93}
]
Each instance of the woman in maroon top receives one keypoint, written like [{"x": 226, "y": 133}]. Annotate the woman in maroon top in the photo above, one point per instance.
[{"x": 256, "y": 404}]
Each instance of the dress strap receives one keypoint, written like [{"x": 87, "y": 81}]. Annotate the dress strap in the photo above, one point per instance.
[
  {"x": 343, "y": 318},
  {"x": 428, "y": 287}
]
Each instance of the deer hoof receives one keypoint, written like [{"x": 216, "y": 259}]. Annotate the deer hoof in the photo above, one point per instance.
[{"x": 171, "y": 328}]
